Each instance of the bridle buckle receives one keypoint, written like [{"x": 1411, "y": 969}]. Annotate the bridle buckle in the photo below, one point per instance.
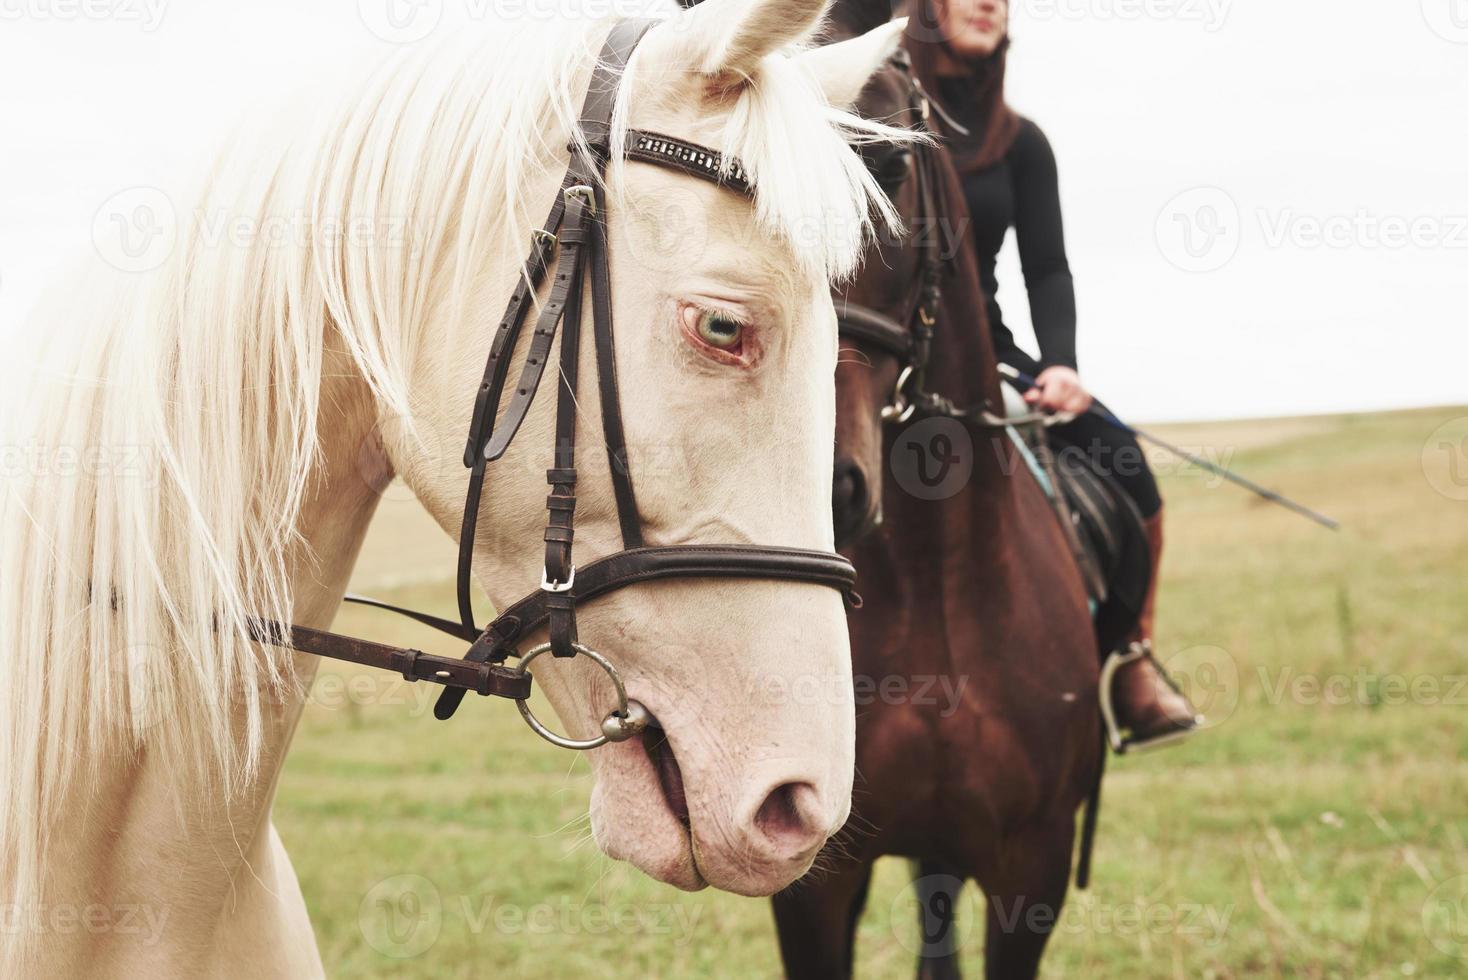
[
  {"x": 583, "y": 191},
  {"x": 555, "y": 588}
]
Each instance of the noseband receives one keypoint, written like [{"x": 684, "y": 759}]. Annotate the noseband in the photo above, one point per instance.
[{"x": 573, "y": 241}]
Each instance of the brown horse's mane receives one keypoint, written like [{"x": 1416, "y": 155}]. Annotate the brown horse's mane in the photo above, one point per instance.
[
  {"x": 972, "y": 377},
  {"x": 967, "y": 369}
]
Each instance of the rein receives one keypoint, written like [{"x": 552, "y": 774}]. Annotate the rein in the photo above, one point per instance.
[{"x": 572, "y": 241}]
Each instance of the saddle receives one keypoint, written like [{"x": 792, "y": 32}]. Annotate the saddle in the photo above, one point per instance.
[
  {"x": 1107, "y": 537},
  {"x": 1110, "y": 540}
]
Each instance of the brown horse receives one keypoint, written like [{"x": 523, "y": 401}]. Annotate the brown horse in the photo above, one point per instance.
[{"x": 975, "y": 656}]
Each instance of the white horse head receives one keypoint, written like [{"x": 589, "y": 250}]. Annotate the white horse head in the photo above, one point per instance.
[
  {"x": 249, "y": 375},
  {"x": 749, "y": 680}
]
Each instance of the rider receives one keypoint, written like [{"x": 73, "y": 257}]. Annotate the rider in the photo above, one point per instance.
[{"x": 958, "y": 50}]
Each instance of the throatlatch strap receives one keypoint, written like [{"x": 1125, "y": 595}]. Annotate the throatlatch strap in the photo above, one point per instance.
[
  {"x": 491, "y": 390},
  {"x": 565, "y": 285},
  {"x": 578, "y": 234}
]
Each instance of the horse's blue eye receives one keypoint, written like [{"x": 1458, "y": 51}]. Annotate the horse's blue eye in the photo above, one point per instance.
[{"x": 719, "y": 330}]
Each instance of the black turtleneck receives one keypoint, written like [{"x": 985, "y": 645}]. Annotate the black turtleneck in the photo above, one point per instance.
[{"x": 1022, "y": 192}]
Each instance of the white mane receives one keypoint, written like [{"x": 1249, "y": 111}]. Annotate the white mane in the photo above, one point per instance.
[{"x": 173, "y": 415}]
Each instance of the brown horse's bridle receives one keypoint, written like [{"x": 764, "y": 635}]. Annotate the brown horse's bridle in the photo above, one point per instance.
[
  {"x": 576, "y": 229},
  {"x": 908, "y": 336}
]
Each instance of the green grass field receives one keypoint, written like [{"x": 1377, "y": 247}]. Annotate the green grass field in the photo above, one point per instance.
[{"x": 1318, "y": 829}]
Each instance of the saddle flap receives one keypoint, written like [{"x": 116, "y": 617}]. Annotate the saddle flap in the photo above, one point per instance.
[{"x": 1110, "y": 530}]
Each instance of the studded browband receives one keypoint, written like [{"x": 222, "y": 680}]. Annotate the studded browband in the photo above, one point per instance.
[{"x": 698, "y": 161}]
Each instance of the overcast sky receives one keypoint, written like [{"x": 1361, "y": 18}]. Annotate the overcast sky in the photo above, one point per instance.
[{"x": 1266, "y": 203}]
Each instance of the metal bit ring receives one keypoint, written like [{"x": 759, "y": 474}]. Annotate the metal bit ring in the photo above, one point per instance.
[
  {"x": 627, "y": 720},
  {"x": 899, "y": 410}
]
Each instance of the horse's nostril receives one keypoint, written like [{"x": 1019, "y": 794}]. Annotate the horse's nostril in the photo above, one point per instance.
[
  {"x": 790, "y": 817},
  {"x": 849, "y": 499}
]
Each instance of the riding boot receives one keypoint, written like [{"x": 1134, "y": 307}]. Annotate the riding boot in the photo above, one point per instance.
[{"x": 1147, "y": 704}]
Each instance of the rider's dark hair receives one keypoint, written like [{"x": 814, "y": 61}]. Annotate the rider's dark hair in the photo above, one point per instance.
[{"x": 980, "y": 107}]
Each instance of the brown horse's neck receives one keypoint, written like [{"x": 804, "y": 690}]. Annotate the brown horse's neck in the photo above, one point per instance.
[
  {"x": 964, "y": 368},
  {"x": 960, "y": 546},
  {"x": 952, "y": 565}
]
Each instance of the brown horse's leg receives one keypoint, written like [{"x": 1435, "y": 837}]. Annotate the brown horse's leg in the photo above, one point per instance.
[
  {"x": 939, "y": 889},
  {"x": 816, "y": 920},
  {"x": 1025, "y": 899}
]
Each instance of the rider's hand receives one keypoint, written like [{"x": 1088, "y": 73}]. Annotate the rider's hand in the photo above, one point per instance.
[{"x": 1059, "y": 389}]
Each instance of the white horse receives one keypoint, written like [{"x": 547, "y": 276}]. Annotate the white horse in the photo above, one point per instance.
[{"x": 194, "y": 437}]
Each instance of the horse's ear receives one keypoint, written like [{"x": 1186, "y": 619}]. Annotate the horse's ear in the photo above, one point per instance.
[
  {"x": 725, "y": 40},
  {"x": 843, "y": 69}
]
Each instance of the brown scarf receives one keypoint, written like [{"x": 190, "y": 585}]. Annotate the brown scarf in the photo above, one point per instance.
[{"x": 991, "y": 123}]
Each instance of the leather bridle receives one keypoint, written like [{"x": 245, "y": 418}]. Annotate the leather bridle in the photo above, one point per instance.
[
  {"x": 908, "y": 337},
  {"x": 573, "y": 240}
]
